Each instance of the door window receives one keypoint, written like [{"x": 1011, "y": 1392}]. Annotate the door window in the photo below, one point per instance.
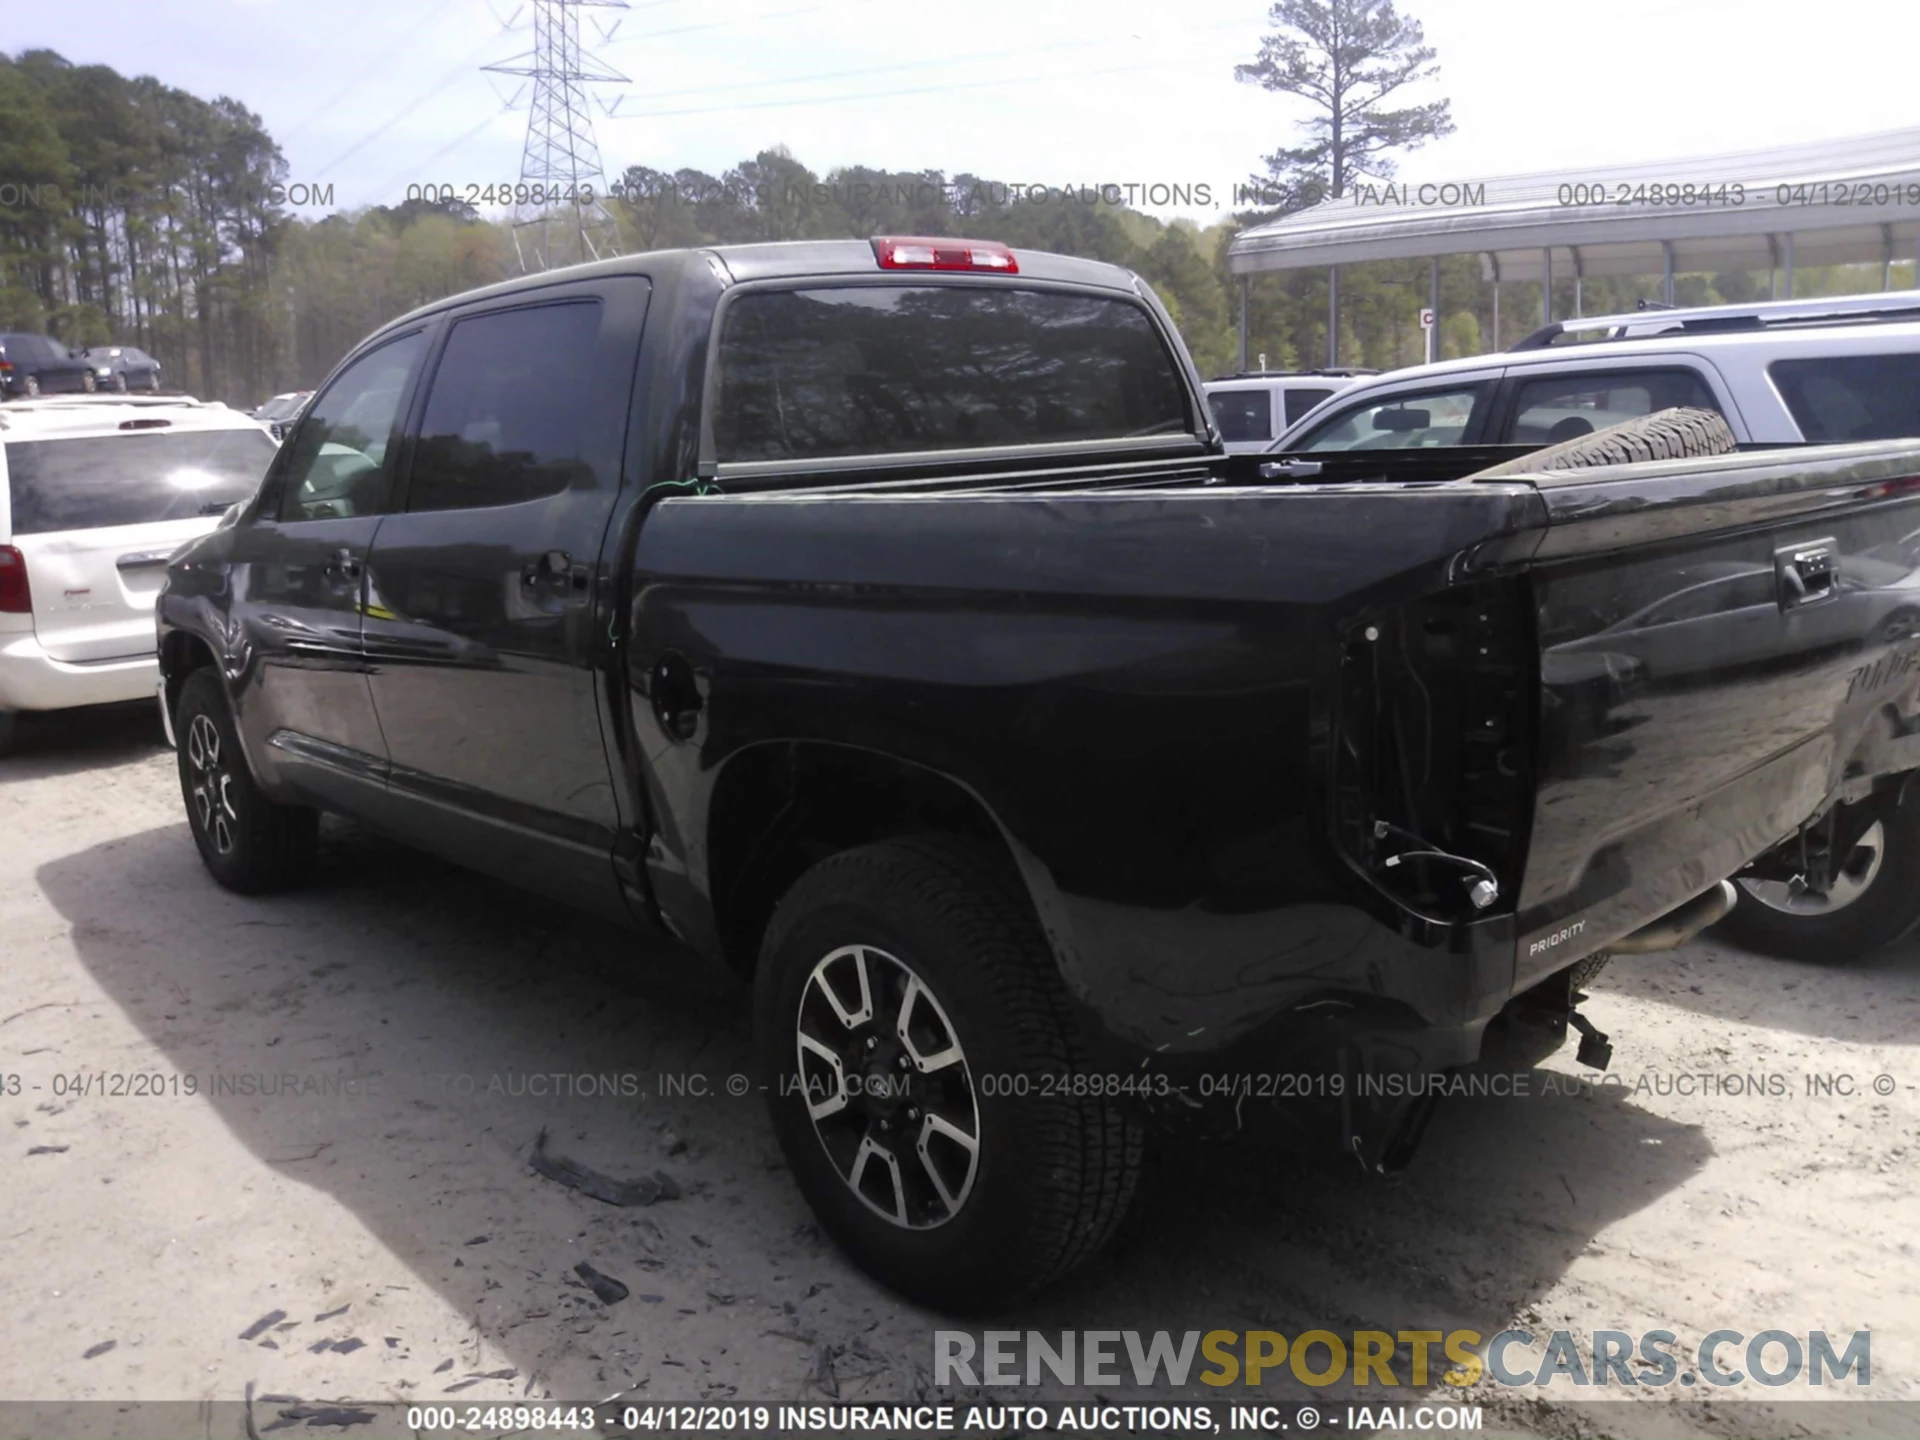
[
  {"x": 1242, "y": 415},
  {"x": 1565, "y": 407},
  {"x": 1299, "y": 402},
  {"x": 336, "y": 461},
  {"x": 1406, "y": 422},
  {"x": 505, "y": 417}
]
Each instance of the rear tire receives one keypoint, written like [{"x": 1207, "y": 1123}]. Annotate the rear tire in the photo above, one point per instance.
[
  {"x": 1047, "y": 1176},
  {"x": 1677, "y": 434},
  {"x": 30, "y": 386},
  {"x": 250, "y": 844},
  {"x": 1876, "y": 914}
]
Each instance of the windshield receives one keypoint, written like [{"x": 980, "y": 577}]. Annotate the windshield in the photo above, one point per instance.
[{"x": 83, "y": 482}]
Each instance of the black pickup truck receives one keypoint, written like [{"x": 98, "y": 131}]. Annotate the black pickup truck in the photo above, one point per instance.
[{"x": 885, "y": 621}]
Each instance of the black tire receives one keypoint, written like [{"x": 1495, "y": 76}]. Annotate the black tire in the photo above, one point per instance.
[
  {"x": 1677, "y": 434},
  {"x": 30, "y": 386},
  {"x": 1886, "y": 909},
  {"x": 250, "y": 844},
  {"x": 9, "y": 727},
  {"x": 119, "y": 382},
  {"x": 87, "y": 383},
  {"x": 153, "y": 383},
  {"x": 1051, "y": 1175}
]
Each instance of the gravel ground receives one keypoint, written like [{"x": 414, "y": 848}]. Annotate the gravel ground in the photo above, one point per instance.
[{"x": 422, "y": 1013}]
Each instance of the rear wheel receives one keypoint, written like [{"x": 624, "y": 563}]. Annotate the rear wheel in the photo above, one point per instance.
[
  {"x": 250, "y": 843},
  {"x": 1872, "y": 899},
  {"x": 30, "y": 386},
  {"x": 921, "y": 1055}
]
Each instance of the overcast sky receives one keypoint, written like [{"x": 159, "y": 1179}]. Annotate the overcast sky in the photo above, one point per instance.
[{"x": 370, "y": 95}]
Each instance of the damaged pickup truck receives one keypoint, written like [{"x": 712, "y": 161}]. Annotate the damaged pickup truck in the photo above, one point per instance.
[{"x": 885, "y": 621}]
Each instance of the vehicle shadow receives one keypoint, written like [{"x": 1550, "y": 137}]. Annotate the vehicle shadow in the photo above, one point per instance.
[
  {"x": 1874, "y": 1000},
  {"x": 449, "y": 996},
  {"x": 51, "y": 743}
]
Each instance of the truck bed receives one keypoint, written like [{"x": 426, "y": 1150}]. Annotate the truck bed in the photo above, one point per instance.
[{"x": 1190, "y": 705}]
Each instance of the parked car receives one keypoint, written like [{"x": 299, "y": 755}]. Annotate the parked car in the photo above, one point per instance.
[
  {"x": 95, "y": 495},
  {"x": 37, "y": 364},
  {"x": 1255, "y": 406},
  {"x": 279, "y": 413},
  {"x": 1780, "y": 373},
  {"x": 122, "y": 368},
  {"x": 880, "y": 621}
]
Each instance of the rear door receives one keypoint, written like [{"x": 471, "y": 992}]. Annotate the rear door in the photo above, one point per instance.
[
  {"x": 482, "y": 588},
  {"x": 97, "y": 516}
]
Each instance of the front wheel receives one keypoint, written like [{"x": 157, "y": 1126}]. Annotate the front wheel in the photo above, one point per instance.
[
  {"x": 921, "y": 1060},
  {"x": 119, "y": 382},
  {"x": 249, "y": 843},
  {"x": 1872, "y": 900},
  {"x": 87, "y": 383}
]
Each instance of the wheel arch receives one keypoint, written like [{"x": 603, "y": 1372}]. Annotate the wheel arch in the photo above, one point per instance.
[
  {"x": 181, "y": 653},
  {"x": 778, "y": 808}
]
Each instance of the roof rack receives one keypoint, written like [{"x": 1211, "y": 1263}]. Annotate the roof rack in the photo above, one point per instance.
[
  {"x": 1334, "y": 371},
  {"x": 1654, "y": 319}
]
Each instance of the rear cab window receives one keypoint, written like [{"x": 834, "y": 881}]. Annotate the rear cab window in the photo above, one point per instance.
[
  {"x": 1837, "y": 398},
  {"x": 835, "y": 371},
  {"x": 85, "y": 482}
]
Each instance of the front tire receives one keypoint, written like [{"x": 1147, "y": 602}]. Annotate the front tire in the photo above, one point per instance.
[
  {"x": 119, "y": 382},
  {"x": 904, "y": 990},
  {"x": 87, "y": 383},
  {"x": 250, "y": 844},
  {"x": 1874, "y": 900}
]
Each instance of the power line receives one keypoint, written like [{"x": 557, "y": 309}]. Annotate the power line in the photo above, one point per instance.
[
  {"x": 895, "y": 94},
  {"x": 393, "y": 50}
]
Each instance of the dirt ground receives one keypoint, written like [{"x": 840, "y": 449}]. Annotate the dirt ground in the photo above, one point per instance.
[{"x": 423, "y": 1014}]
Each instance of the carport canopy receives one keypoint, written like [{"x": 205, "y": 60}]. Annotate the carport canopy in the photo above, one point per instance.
[{"x": 1835, "y": 202}]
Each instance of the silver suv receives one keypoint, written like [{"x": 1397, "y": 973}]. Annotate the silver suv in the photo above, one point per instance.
[{"x": 1782, "y": 373}]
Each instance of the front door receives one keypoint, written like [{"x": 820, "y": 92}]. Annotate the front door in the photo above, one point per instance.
[
  {"x": 482, "y": 586},
  {"x": 299, "y": 577}
]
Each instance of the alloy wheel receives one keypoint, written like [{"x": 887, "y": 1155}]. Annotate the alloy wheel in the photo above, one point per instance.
[
  {"x": 1795, "y": 897},
  {"x": 888, "y": 1087},
  {"x": 212, "y": 784}
]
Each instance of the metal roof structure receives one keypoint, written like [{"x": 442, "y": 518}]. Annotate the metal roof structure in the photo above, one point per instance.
[{"x": 1835, "y": 202}]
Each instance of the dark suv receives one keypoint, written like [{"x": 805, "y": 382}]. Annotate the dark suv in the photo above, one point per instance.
[{"x": 31, "y": 364}]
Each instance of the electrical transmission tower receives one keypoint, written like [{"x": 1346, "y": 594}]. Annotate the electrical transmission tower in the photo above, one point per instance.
[{"x": 560, "y": 213}]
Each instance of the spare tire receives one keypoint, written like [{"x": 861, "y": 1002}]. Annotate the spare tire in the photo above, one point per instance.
[{"x": 1678, "y": 434}]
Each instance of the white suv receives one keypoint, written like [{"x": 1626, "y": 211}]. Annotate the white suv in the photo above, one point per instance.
[
  {"x": 1782, "y": 373},
  {"x": 1254, "y": 406},
  {"x": 95, "y": 495}
]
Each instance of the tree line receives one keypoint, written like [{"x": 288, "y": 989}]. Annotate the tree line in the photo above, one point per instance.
[{"x": 135, "y": 212}]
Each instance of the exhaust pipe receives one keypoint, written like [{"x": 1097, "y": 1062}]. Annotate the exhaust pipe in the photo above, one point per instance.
[{"x": 1678, "y": 926}]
